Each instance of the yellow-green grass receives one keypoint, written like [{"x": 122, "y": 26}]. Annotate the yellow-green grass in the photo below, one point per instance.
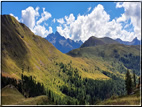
[
  {"x": 123, "y": 100},
  {"x": 11, "y": 95},
  {"x": 41, "y": 56},
  {"x": 39, "y": 100},
  {"x": 25, "y": 49},
  {"x": 103, "y": 56}
]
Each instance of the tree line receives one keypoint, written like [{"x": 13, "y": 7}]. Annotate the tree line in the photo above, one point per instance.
[
  {"x": 89, "y": 91},
  {"x": 77, "y": 90},
  {"x": 130, "y": 82},
  {"x": 27, "y": 85}
]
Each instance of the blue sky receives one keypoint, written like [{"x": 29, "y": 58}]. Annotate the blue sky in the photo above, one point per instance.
[
  {"x": 60, "y": 9},
  {"x": 111, "y": 18}
]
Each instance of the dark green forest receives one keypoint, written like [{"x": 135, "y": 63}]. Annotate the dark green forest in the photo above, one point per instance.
[
  {"x": 27, "y": 86},
  {"x": 78, "y": 90}
]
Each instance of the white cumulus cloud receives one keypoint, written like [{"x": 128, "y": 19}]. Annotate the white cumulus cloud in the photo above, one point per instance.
[
  {"x": 85, "y": 25},
  {"x": 132, "y": 12},
  {"x": 61, "y": 21},
  {"x": 42, "y": 31},
  {"x": 70, "y": 19},
  {"x": 44, "y": 16},
  {"x": 96, "y": 23},
  {"x": 28, "y": 16},
  {"x": 123, "y": 18},
  {"x": 64, "y": 32}
]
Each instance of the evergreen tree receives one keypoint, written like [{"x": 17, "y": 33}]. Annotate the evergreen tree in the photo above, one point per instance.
[
  {"x": 139, "y": 82},
  {"x": 128, "y": 82},
  {"x": 134, "y": 79}
]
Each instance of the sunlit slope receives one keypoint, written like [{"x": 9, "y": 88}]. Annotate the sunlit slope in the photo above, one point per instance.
[
  {"x": 23, "y": 51},
  {"x": 123, "y": 100},
  {"x": 39, "y": 100},
  {"x": 11, "y": 96},
  {"x": 118, "y": 57}
]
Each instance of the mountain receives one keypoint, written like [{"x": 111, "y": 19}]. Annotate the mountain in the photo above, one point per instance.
[
  {"x": 34, "y": 62},
  {"x": 135, "y": 41},
  {"x": 113, "y": 54},
  {"x": 94, "y": 41},
  {"x": 11, "y": 96},
  {"x": 24, "y": 53},
  {"x": 61, "y": 43}
]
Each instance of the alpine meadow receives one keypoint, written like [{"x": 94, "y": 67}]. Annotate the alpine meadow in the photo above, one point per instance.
[{"x": 57, "y": 69}]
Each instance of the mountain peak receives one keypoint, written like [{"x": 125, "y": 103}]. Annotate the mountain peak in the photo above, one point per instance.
[
  {"x": 80, "y": 42},
  {"x": 57, "y": 33},
  {"x": 93, "y": 37},
  {"x": 61, "y": 43},
  {"x": 93, "y": 41},
  {"x": 135, "y": 38},
  {"x": 118, "y": 39},
  {"x": 135, "y": 41}
]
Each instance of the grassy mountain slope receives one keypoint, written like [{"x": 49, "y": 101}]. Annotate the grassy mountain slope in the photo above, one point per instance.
[
  {"x": 39, "y": 100},
  {"x": 133, "y": 99},
  {"x": 94, "y": 41},
  {"x": 11, "y": 96},
  {"x": 23, "y": 51},
  {"x": 118, "y": 57}
]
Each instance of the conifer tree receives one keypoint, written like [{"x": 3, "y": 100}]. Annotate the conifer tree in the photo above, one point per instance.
[
  {"x": 128, "y": 82},
  {"x": 134, "y": 79},
  {"x": 139, "y": 82}
]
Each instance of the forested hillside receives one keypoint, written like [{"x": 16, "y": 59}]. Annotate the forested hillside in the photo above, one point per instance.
[
  {"x": 120, "y": 57},
  {"x": 35, "y": 67}
]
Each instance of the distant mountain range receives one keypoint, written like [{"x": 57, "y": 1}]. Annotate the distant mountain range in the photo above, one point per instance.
[
  {"x": 66, "y": 45},
  {"x": 110, "y": 50},
  {"x": 135, "y": 41},
  {"x": 93, "y": 41},
  {"x": 61, "y": 43}
]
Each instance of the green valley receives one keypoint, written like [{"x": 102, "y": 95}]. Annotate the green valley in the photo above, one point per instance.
[{"x": 83, "y": 76}]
